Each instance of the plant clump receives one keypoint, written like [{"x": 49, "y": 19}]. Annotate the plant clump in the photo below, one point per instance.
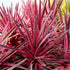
[{"x": 36, "y": 37}]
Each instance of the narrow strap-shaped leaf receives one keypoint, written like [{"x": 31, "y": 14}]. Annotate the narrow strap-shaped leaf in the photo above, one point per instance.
[
  {"x": 35, "y": 32},
  {"x": 9, "y": 18},
  {"x": 19, "y": 29},
  {"x": 4, "y": 32},
  {"x": 66, "y": 43},
  {"x": 11, "y": 64},
  {"x": 11, "y": 10},
  {"x": 61, "y": 36},
  {"x": 14, "y": 49},
  {"x": 36, "y": 14},
  {"x": 58, "y": 6},
  {"x": 67, "y": 28},
  {"x": 69, "y": 21},
  {"x": 53, "y": 5},
  {"x": 35, "y": 67},
  {"x": 42, "y": 42},
  {"x": 35, "y": 7},
  {"x": 28, "y": 34},
  {"x": 14, "y": 66},
  {"x": 69, "y": 8},
  {"x": 1, "y": 22},
  {"x": 60, "y": 15},
  {"x": 49, "y": 3},
  {"x": 44, "y": 25},
  {"x": 39, "y": 14},
  {"x": 4, "y": 11},
  {"x": 31, "y": 66},
  {"x": 8, "y": 34},
  {"x": 69, "y": 24},
  {"x": 44, "y": 9},
  {"x": 1, "y": 15},
  {"x": 50, "y": 25},
  {"x": 66, "y": 7}
]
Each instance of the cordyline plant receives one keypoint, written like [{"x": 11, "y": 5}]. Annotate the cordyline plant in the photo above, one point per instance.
[{"x": 34, "y": 38}]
